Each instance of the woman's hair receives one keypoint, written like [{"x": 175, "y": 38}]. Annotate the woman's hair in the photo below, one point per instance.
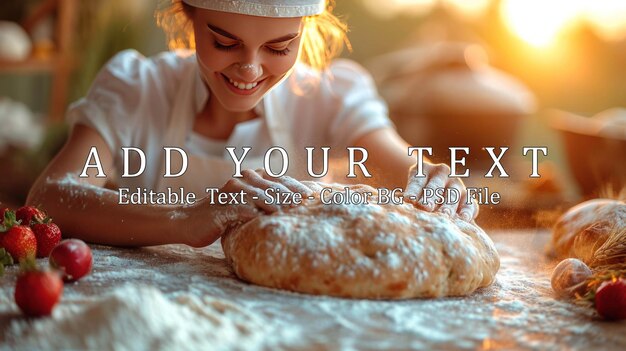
[{"x": 323, "y": 35}]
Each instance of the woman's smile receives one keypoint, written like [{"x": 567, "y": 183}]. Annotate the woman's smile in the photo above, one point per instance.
[{"x": 241, "y": 88}]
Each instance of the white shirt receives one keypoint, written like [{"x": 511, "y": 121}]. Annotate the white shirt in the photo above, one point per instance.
[{"x": 132, "y": 99}]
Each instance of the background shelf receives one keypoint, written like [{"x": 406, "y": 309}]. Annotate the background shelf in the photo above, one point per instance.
[
  {"x": 59, "y": 63},
  {"x": 30, "y": 65}
]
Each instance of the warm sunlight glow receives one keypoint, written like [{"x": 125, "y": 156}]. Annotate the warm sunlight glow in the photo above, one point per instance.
[
  {"x": 392, "y": 8},
  {"x": 468, "y": 8},
  {"x": 539, "y": 22},
  {"x": 608, "y": 17}
]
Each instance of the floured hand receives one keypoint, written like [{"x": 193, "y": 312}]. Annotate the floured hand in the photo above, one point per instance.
[
  {"x": 214, "y": 219},
  {"x": 436, "y": 176},
  {"x": 254, "y": 183}
]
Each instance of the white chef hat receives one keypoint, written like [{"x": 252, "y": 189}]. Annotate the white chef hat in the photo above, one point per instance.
[{"x": 263, "y": 8}]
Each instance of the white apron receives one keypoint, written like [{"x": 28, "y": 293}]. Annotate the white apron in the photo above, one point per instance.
[{"x": 215, "y": 171}]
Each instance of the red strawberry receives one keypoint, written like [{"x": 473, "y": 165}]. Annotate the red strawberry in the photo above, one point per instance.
[
  {"x": 73, "y": 258},
  {"x": 48, "y": 236},
  {"x": 26, "y": 214},
  {"x": 37, "y": 291},
  {"x": 18, "y": 240},
  {"x": 611, "y": 299}
]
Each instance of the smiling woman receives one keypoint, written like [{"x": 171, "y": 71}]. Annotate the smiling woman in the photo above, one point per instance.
[
  {"x": 244, "y": 56},
  {"x": 253, "y": 75}
]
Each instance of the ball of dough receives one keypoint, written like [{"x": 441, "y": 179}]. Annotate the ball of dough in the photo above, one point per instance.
[
  {"x": 585, "y": 227},
  {"x": 362, "y": 251},
  {"x": 569, "y": 276}
]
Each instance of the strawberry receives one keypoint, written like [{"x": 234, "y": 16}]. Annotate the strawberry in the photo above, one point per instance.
[
  {"x": 18, "y": 240},
  {"x": 26, "y": 214},
  {"x": 37, "y": 291},
  {"x": 72, "y": 257},
  {"x": 610, "y": 299},
  {"x": 48, "y": 236}
]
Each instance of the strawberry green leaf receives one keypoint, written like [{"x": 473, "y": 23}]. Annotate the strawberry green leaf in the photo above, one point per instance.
[
  {"x": 5, "y": 257},
  {"x": 5, "y": 260},
  {"x": 28, "y": 264},
  {"x": 10, "y": 220}
]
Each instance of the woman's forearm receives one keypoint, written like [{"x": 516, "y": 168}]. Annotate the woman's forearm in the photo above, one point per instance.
[{"x": 93, "y": 214}]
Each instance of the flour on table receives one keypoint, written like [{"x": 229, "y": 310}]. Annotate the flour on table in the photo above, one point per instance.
[
  {"x": 517, "y": 312},
  {"x": 142, "y": 318}
]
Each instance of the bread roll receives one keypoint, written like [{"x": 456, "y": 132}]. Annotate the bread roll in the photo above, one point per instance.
[
  {"x": 586, "y": 227},
  {"x": 569, "y": 276}
]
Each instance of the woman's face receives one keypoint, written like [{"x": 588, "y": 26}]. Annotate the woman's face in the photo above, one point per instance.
[{"x": 242, "y": 57}]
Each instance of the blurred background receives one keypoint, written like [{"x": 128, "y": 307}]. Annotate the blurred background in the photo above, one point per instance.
[{"x": 471, "y": 73}]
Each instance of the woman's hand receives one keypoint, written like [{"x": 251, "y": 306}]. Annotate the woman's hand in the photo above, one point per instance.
[
  {"x": 436, "y": 176},
  {"x": 254, "y": 183},
  {"x": 215, "y": 219}
]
